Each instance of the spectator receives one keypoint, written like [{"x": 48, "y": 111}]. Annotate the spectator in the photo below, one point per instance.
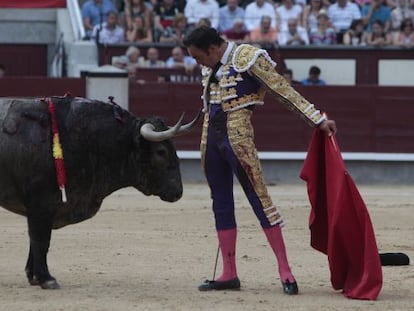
[
  {"x": 314, "y": 77},
  {"x": 310, "y": 14},
  {"x": 198, "y": 9},
  {"x": 94, "y": 12},
  {"x": 204, "y": 22},
  {"x": 378, "y": 36},
  {"x": 404, "y": 9},
  {"x": 265, "y": 35},
  {"x": 288, "y": 75},
  {"x": 286, "y": 11},
  {"x": 109, "y": 32},
  {"x": 164, "y": 13},
  {"x": 229, "y": 13},
  {"x": 175, "y": 33},
  {"x": 294, "y": 34},
  {"x": 178, "y": 59},
  {"x": 153, "y": 59},
  {"x": 134, "y": 8},
  {"x": 139, "y": 32},
  {"x": 254, "y": 12},
  {"x": 324, "y": 34},
  {"x": 376, "y": 10},
  {"x": 130, "y": 61},
  {"x": 2, "y": 70},
  {"x": 237, "y": 33},
  {"x": 354, "y": 35},
  {"x": 341, "y": 14},
  {"x": 405, "y": 37}
]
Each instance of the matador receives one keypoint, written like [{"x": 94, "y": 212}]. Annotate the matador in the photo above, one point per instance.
[{"x": 235, "y": 79}]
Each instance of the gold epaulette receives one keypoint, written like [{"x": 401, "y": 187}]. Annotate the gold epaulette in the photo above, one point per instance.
[{"x": 246, "y": 55}]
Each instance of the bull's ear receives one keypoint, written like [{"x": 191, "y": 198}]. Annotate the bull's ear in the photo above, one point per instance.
[{"x": 137, "y": 137}]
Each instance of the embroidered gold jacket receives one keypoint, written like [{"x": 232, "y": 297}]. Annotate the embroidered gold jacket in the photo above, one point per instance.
[{"x": 246, "y": 77}]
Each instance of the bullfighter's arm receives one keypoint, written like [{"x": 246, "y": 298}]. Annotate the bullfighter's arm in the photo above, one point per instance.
[
  {"x": 258, "y": 64},
  {"x": 284, "y": 92}
]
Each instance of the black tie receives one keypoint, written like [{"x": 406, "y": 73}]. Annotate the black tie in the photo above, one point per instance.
[{"x": 213, "y": 77}]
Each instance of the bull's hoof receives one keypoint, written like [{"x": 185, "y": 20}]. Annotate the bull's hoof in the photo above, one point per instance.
[
  {"x": 50, "y": 284},
  {"x": 34, "y": 281}
]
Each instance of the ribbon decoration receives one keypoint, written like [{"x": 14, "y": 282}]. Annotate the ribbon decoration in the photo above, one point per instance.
[{"x": 57, "y": 151}]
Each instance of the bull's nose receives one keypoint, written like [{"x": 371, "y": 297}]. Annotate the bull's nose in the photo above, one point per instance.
[{"x": 171, "y": 196}]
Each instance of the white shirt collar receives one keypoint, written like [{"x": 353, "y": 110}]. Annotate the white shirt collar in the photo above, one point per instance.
[{"x": 226, "y": 54}]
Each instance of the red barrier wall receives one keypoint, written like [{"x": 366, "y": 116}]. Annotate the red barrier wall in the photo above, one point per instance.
[
  {"x": 24, "y": 59},
  {"x": 369, "y": 118},
  {"x": 41, "y": 87},
  {"x": 366, "y": 58}
]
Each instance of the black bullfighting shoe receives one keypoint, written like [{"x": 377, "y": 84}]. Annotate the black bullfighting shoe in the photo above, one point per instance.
[
  {"x": 290, "y": 288},
  {"x": 233, "y": 284}
]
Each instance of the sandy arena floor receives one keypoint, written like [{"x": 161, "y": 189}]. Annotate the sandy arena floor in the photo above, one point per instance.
[{"x": 139, "y": 253}]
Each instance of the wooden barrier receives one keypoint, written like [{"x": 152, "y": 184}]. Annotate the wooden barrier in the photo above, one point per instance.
[
  {"x": 41, "y": 86},
  {"x": 369, "y": 118},
  {"x": 24, "y": 59},
  {"x": 367, "y": 59},
  {"x": 177, "y": 75}
]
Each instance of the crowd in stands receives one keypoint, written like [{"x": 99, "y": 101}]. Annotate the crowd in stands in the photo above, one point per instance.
[
  {"x": 266, "y": 23},
  {"x": 278, "y": 23}
]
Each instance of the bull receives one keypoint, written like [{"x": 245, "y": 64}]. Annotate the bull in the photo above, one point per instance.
[{"x": 105, "y": 148}]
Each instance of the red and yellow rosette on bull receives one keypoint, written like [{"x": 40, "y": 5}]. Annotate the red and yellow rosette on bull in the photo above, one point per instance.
[{"x": 57, "y": 151}]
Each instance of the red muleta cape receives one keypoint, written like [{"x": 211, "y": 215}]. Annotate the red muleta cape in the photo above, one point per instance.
[{"x": 339, "y": 222}]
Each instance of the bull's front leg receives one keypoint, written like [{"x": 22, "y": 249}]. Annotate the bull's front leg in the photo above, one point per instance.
[{"x": 40, "y": 231}]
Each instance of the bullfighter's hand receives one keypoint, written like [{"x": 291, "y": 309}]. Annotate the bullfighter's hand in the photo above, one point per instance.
[{"x": 328, "y": 126}]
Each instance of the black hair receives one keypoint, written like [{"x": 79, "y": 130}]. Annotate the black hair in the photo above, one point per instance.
[
  {"x": 356, "y": 22},
  {"x": 314, "y": 70},
  {"x": 404, "y": 22},
  {"x": 203, "y": 37}
]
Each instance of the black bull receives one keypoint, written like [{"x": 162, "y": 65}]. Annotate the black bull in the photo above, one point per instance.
[{"x": 104, "y": 150}]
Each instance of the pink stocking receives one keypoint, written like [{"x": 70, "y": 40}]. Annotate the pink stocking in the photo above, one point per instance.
[
  {"x": 275, "y": 239},
  {"x": 227, "y": 240}
]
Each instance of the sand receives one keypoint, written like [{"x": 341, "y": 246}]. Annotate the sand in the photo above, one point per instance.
[{"x": 139, "y": 253}]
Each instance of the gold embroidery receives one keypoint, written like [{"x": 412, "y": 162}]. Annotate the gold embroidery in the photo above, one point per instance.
[
  {"x": 243, "y": 101},
  {"x": 241, "y": 138},
  {"x": 244, "y": 57},
  {"x": 228, "y": 93},
  {"x": 280, "y": 88},
  {"x": 203, "y": 142}
]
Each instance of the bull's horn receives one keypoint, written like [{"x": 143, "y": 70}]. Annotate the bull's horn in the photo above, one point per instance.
[
  {"x": 189, "y": 126},
  {"x": 147, "y": 131}
]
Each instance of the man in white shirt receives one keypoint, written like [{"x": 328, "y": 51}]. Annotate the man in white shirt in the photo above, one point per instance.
[
  {"x": 109, "y": 32},
  {"x": 197, "y": 9},
  {"x": 229, "y": 13},
  {"x": 293, "y": 34},
  {"x": 255, "y": 11},
  {"x": 289, "y": 9},
  {"x": 341, "y": 14}
]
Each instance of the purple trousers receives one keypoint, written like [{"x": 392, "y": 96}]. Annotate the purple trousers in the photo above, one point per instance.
[{"x": 228, "y": 149}]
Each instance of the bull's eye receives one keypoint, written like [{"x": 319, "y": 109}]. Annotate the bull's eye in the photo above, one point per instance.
[
  {"x": 161, "y": 153},
  {"x": 160, "y": 156}
]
